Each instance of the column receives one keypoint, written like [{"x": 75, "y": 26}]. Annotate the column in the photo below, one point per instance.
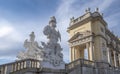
[
  {"x": 115, "y": 62},
  {"x": 78, "y": 54},
  {"x": 71, "y": 56},
  {"x": 91, "y": 54},
  {"x": 109, "y": 55},
  {"x": 87, "y": 47},
  {"x": 73, "y": 51}
]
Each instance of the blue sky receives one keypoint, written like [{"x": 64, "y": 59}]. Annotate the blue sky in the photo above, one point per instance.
[{"x": 19, "y": 17}]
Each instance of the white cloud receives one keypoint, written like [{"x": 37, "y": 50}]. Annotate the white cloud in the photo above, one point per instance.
[
  {"x": 5, "y": 30},
  {"x": 8, "y": 35}
]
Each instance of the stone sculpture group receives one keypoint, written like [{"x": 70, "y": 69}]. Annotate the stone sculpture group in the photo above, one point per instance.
[{"x": 49, "y": 52}]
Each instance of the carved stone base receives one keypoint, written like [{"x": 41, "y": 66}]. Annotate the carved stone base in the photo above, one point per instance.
[{"x": 47, "y": 64}]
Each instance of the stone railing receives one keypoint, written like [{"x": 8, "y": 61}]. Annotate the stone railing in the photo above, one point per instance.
[
  {"x": 80, "y": 19},
  {"x": 19, "y": 65},
  {"x": 86, "y": 63},
  {"x": 81, "y": 64}
]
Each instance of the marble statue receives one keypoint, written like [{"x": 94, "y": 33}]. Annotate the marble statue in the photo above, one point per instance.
[
  {"x": 52, "y": 46},
  {"x": 34, "y": 51},
  {"x": 50, "y": 53}
]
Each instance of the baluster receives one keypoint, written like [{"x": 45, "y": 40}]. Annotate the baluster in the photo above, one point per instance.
[
  {"x": 18, "y": 66},
  {"x": 5, "y": 69},
  {"x": 37, "y": 64},
  {"x": 2, "y": 70},
  {"x": 12, "y": 68},
  {"x": 25, "y": 64},
  {"x": 15, "y": 67},
  {"x": 21, "y": 65},
  {"x": 32, "y": 63}
]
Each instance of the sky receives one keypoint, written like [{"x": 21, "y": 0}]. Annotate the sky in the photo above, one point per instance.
[{"x": 18, "y": 18}]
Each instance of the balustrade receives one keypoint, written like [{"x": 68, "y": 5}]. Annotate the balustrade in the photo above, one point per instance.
[
  {"x": 86, "y": 63},
  {"x": 19, "y": 65}
]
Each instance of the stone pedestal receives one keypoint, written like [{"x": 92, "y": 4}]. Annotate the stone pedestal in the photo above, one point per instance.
[{"x": 46, "y": 64}]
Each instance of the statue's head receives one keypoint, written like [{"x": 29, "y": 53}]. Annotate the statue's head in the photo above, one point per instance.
[
  {"x": 52, "y": 21},
  {"x": 32, "y": 36},
  {"x": 32, "y": 32}
]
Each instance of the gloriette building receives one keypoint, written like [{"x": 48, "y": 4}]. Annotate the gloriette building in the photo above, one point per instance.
[{"x": 89, "y": 33}]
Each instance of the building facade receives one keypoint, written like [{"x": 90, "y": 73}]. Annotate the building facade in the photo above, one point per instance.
[{"x": 91, "y": 39}]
